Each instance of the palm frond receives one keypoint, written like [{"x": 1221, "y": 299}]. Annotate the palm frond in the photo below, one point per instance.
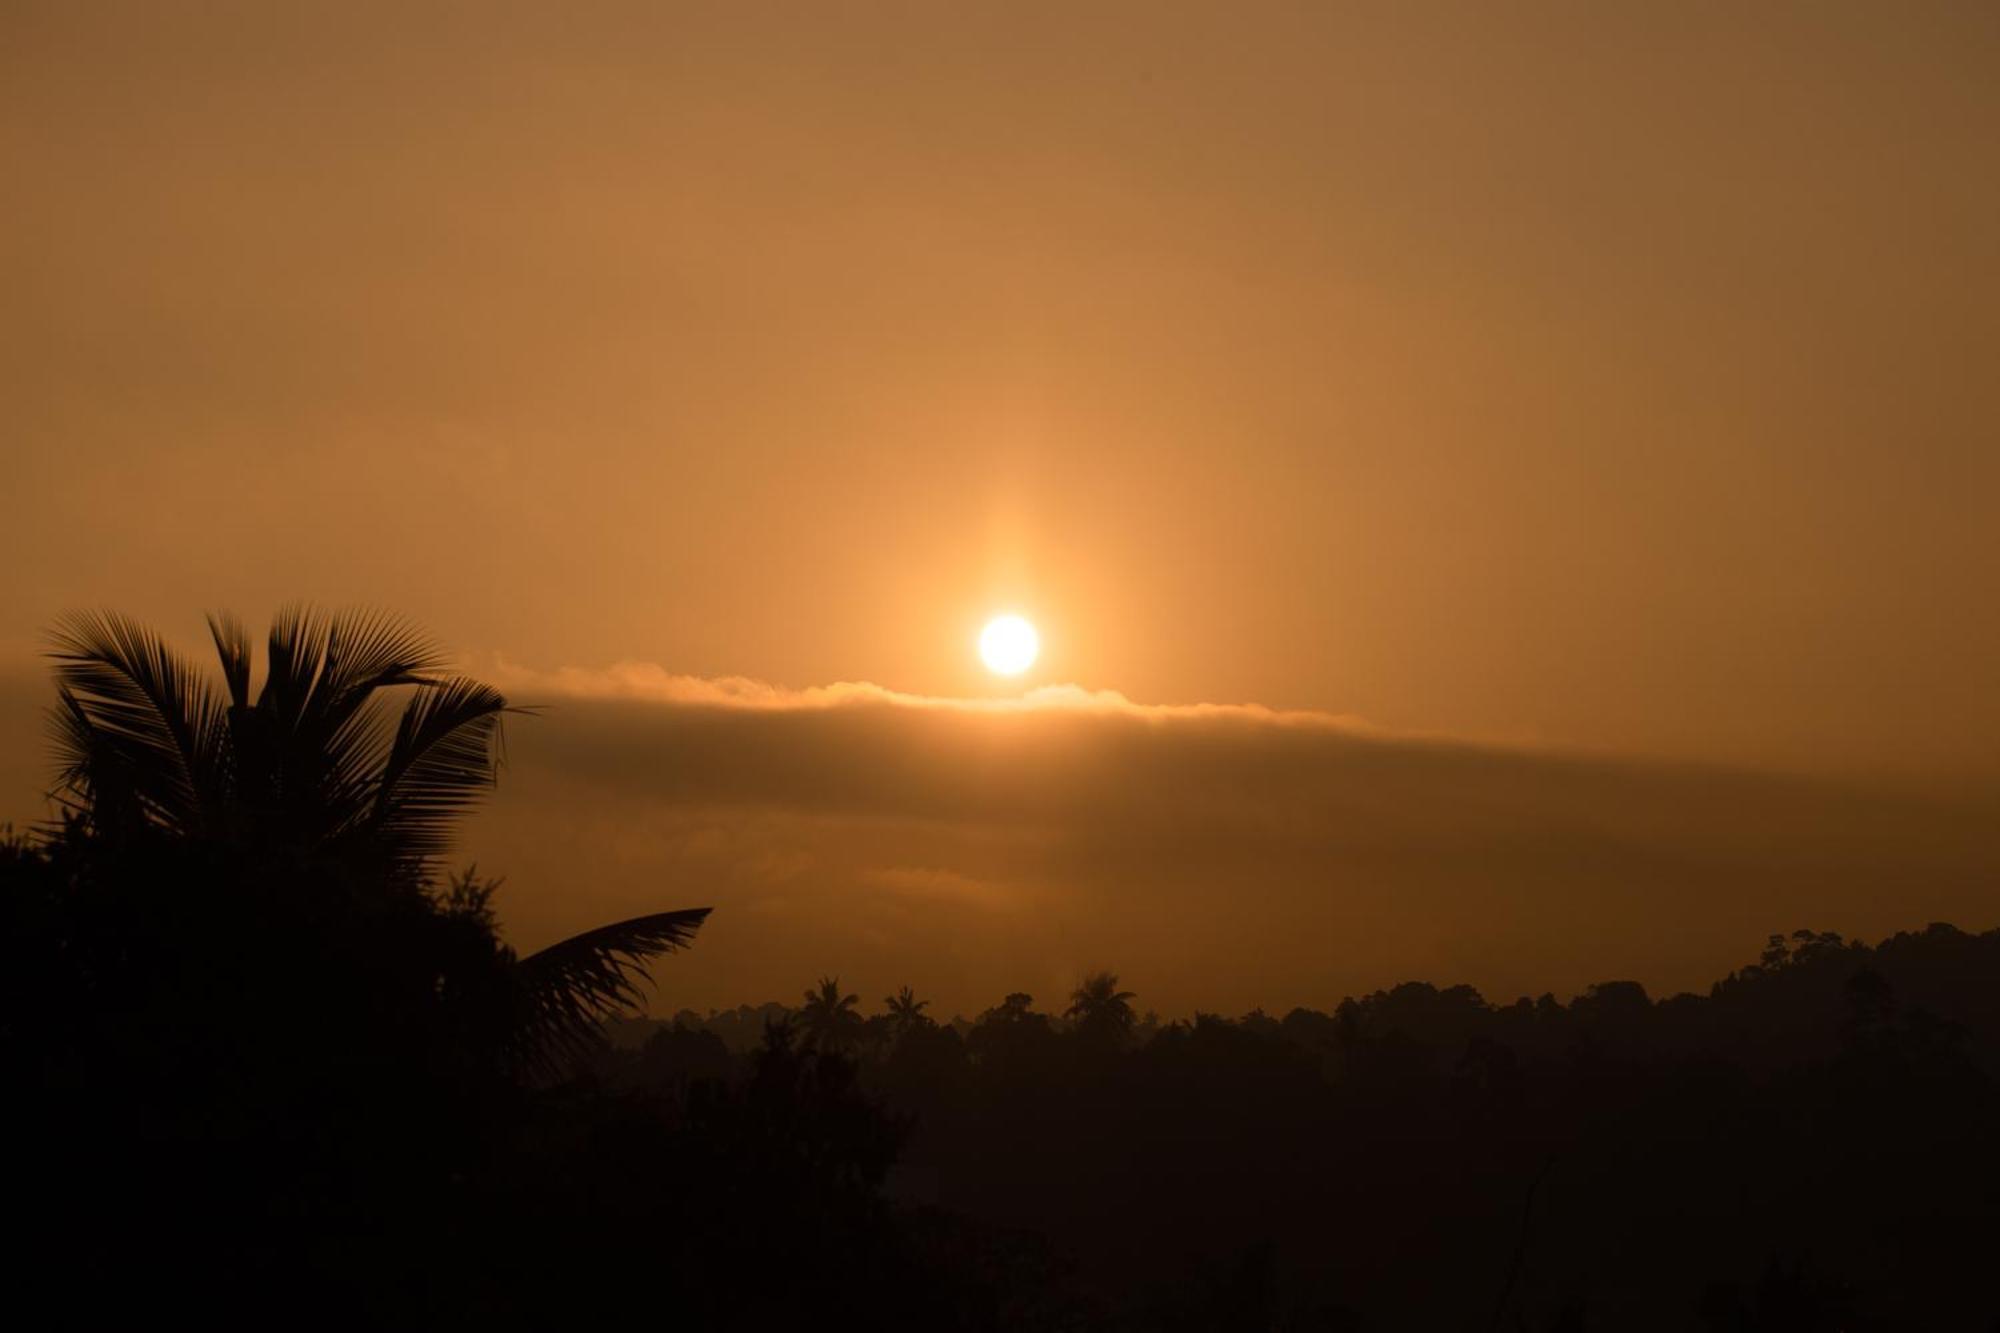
[
  {"x": 137, "y": 716},
  {"x": 92, "y": 776},
  {"x": 344, "y": 727},
  {"x": 573, "y": 986},
  {"x": 372, "y": 649},
  {"x": 352, "y": 761},
  {"x": 232, "y": 646},
  {"x": 367, "y": 651},
  {"x": 445, "y": 756},
  {"x": 294, "y": 652},
  {"x": 319, "y": 736}
]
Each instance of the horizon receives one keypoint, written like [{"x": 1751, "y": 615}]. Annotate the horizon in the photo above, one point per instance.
[
  {"x": 1512, "y": 487},
  {"x": 980, "y": 845}
]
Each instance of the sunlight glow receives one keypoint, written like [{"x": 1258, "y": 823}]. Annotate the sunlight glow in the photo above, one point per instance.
[{"x": 1009, "y": 645}]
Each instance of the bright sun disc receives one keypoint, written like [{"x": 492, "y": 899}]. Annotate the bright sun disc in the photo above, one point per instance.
[{"x": 1008, "y": 645}]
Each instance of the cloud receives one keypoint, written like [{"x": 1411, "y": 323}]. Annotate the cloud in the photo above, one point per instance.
[
  {"x": 652, "y": 683},
  {"x": 1223, "y": 855},
  {"x": 931, "y": 882}
]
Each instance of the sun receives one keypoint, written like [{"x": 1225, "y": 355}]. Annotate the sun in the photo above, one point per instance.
[{"x": 1009, "y": 645}]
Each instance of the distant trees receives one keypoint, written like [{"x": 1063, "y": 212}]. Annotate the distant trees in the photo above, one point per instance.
[
  {"x": 1016, "y": 1010},
  {"x": 1102, "y": 1013},
  {"x": 679, "y": 1054},
  {"x": 830, "y": 1019},
  {"x": 1849, "y": 1085},
  {"x": 1802, "y": 946},
  {"x": 1010, "y": 1034},
  {"x": 906, "y": 1013}
]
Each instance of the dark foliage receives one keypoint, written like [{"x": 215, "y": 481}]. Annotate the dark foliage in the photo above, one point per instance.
[
  {"x": 1809, "y": 1146},
  {"x": 329, "y": 796},
  {"x": 272, "y": 1068}
]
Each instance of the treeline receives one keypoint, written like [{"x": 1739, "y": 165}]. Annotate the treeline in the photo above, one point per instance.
[
  {"x": 271, "y": 1063},
  {"x": 254, "y": 1091},
  {"x": 1802, "y": 999},
  {"x": 1810, "y": 1145}
]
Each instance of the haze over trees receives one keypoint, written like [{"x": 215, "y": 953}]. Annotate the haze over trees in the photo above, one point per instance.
[
  {"x": 1805, "y": 1146},
  {"x": 281, "y": 1066}
]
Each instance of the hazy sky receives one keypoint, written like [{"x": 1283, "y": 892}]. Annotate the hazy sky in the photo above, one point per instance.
[{"x": 1618, "y": 377}]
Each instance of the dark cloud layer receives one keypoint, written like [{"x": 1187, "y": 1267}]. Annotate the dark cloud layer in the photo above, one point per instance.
[{"x": 1215, "y": 856}]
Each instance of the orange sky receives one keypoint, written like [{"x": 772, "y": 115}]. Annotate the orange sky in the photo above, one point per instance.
[{"x": 1610, "y": 377}]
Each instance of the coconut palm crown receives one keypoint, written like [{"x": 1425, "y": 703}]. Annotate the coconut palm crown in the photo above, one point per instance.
[
  {"x": 358, "y": 752},
  {"x": 906, "y": 1012},
  {"x": 1100, "y": 1009},
  {"x": 830, "y": 1019}
]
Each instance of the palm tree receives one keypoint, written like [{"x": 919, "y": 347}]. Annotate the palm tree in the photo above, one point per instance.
[
  {"x": 906, "y": 1012},
  {"x": 325, "y": 768},
  {"x": 831, "y": 1021},
  {"x": 1100, "y": 1009}
]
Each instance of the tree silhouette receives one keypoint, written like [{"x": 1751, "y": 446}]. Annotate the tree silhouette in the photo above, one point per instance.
[
  {"x": 1016, "y": 1010},
  {"x": 906, "y": 1012},
  {"x": 830, "y": 1019},
  {"x": 1100, "y": 1010},
  {"x": 320, "y": 779}
]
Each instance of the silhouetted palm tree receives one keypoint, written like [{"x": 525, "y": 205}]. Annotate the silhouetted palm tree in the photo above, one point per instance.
[
  {"x": 321, "y": 767},
  {"x": 906, "y": 1012},
  {"x": 1100, "y": 1009},
  {"x": 830, "y": 1019}
]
